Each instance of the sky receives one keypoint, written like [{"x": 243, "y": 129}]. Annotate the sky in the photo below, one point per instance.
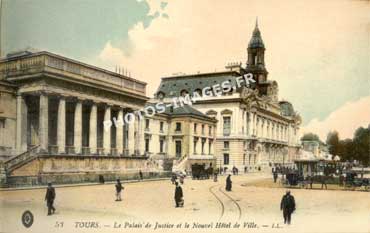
[{"x": 317, "y": 51}]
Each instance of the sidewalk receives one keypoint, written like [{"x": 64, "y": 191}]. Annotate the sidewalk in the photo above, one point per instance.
[{"x": 80, "y": 184}]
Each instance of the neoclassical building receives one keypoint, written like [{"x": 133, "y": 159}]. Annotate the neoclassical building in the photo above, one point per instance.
[
  {"x": 255, "y": 130},
  {"x": 52, "y": 110}
]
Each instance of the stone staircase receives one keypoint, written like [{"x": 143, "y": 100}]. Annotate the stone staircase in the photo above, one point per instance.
[{"x": 21, "y": 159}]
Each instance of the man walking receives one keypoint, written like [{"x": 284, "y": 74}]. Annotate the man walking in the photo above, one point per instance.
[
  {"x": 49, "y": 198},
  {"x": 141, "y": 175},
  {"x": 178, "y": 196},
  {"x": 275, "y": 174},
  {"x": 119, "y": 188},
  {"x": 228, "y": 183},
  {"x": 287, "y": 205}
]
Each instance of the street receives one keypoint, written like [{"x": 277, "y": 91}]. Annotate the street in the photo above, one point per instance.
[{"x": 208, "y": 207}]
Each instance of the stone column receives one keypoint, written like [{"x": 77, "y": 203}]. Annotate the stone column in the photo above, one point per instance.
[
  {"x": 93, "y": 129},
  {"x": 119, "y": 132},
  {"x": 77, "y": 140},
  {"x": 21, "y": 133},
  {"x": 61, "y": 128},
  {"x": 131, "y": 135},
  {"x": 106, "y": 134},
  {"x": 43, "y": 122}
]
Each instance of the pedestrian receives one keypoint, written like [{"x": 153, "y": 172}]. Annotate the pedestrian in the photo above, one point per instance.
[
  {"x": 275, "y": 176},
  {"x": 179, "y": 197},
  {"x": 228, "y": 183},
  {"x": 287, "y": 205},
  {"x": 49, "y": 198},
  {"x": 119, "y": 188},
  {"x": 323, "y": 182},
  {"x": 141, "y": 175},
  {"x": 173, "y": 178},
  {"x": 101, "y": 179},
  {"x": 215, "y": 176}
]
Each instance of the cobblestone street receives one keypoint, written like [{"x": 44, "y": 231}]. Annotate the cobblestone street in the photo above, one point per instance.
[{"x": 256, "y": 209}]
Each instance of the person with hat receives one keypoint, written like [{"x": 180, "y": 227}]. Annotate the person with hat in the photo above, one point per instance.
[
  {"x": 287, "y": 205},
  {"x": 178, "y": 195},
  {"x": 49, "y": 198}
]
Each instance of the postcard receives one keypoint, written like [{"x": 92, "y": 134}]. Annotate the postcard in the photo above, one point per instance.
[{"x": 184, "y": 116}]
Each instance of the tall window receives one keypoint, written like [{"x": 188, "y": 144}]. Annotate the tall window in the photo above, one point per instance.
[
  {"x": 203, "y": 143},
  {"x": 195, "y": 145},
  {"x": 195, "y": 128},
  {"x": 146, "y": 123},
  {"x": 210, "y": 130},
  {"x": 209, "y": 146},
  {"x": 226, "y": 125},
  {"x": 202, "y": 129},
  {"x": 226, "y": 145},
  {"x": 161, "y": 145},
  {"x": 147, "y": 141},
  {"x": 178, "y": 126},
  {"x": 178, "y": 149},
  {"x": 226, "y": 159},
  {"x": 161, "y": 126}
]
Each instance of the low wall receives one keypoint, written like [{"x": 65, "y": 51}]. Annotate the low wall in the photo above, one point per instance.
[{"x": 79, "y": 169}]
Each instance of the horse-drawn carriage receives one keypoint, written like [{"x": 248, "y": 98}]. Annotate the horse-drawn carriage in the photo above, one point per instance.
[
  {"x": 352, "y": 181},
  {"x": 199, "y": 172}
]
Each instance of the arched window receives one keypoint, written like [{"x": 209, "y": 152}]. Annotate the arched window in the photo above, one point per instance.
[{"x": 183, "y": 92}]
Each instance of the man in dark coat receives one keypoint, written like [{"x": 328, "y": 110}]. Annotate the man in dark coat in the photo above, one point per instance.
[
  {"x": 49, "y": 198},
  {"x": 119, "y": 188},
  {"x": 275, "y": 176},
  {"x": 141, "y": 175},
  {"x": 287, "y": 205},
  {"x": 178, "y": 195},
  {"x": 228, "y": 183}
]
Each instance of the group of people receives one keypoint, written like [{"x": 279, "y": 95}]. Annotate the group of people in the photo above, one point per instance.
[{"x": 287, "y": 204}]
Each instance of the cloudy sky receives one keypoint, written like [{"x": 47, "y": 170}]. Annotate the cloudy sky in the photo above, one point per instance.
[{"x": 318, "y": 51}]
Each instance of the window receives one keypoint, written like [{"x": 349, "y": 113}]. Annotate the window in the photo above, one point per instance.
[
  {"x": 195, "y": 128},
  {"x": 210, "y": 146},
  {"x": 146, "y": 123},
  {"x": 226, "y": 126},
  {"x": 210, "y": 130},
  {"x": 161, "y": 126},
  {"x": 178, "y": 149},
  {"x": 195, "y": 145},
  {"x": 226, "y": 145},
  {"x": 202, "y": 129},
  {"x": 226, "y": 159},
  {"x": 178, "y": 126},
  {"x": 147, "y": 144},
  {"x": 203, "y": 143},
  {"x": 161, "y": 145}
]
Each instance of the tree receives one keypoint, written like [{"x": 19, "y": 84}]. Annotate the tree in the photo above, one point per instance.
[
  {"x": 361, "y": 141},
  {"x": 332, "y": 140},
  {"x": 310, "y": 137}
]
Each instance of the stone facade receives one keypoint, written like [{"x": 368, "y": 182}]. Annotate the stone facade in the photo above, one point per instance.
[
  {"x": 255, "y": 131},
  {"x": 55, "y": 106},
  {"x": 185, "y": 138}
]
